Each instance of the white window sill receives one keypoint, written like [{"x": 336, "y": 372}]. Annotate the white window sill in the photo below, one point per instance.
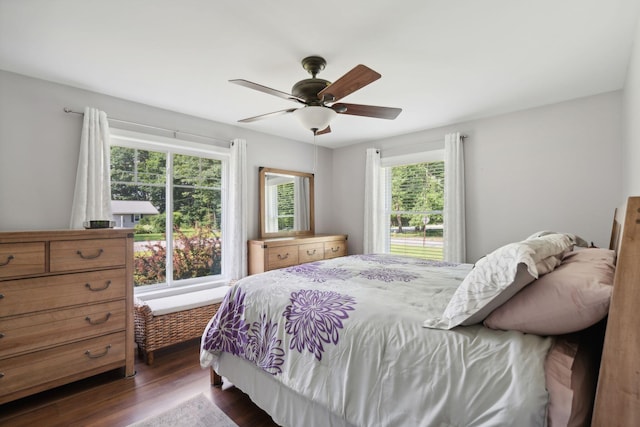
[
  {"x": 145, "y": 295},
  {"x": 186, "y": 301}
]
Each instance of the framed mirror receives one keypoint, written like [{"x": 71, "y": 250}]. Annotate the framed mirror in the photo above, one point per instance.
[{"x": 286, "y": 203}]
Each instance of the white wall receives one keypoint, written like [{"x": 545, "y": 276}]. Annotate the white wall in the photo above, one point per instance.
[
  {"x": 631, "y": 122},
  {"x": 39, "y": 151},
  {"x": 556, "y": 167}
]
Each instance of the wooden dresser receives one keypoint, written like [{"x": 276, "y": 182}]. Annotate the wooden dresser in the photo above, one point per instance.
[
  {"x": 269, "y": 254},
  {"x": 66, "y": 307}
]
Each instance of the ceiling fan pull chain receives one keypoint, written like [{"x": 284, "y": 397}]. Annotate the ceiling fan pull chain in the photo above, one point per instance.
[{"x": 315, "y": 153}]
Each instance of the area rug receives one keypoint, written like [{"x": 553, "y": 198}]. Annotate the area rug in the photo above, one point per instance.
[{"x": 195, "y": 412}]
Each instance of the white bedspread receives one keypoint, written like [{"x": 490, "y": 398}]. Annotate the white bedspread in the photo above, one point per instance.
[{"x": 347, "y": 334}]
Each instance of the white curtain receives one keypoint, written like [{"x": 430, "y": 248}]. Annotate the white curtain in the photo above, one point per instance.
[
  {"x": 270, "y": 208},
  {"x": 92, "y": 196},
  {"x": 375, "y": 235},
  {"x": 301, "y": 203},
  {"x": 454, "y": 211},
  {"x": 235, "y": 254}
]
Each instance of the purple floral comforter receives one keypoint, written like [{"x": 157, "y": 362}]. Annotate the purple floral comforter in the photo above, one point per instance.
[{"x": 347, "y": 333}]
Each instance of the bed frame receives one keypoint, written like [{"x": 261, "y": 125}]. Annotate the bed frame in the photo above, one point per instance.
[{"x": 617, "y": 399}]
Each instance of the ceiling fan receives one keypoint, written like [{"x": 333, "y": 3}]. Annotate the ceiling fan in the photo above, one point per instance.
[{"x": 320, "y": 97}]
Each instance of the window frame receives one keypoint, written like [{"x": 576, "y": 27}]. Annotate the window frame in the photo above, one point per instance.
[
  {"x": 435, "y": 154},
  {"x": 142, "y": 141}
]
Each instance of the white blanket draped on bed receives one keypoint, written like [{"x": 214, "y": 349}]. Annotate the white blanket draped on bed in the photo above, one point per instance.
[{"x": 347, "y": 334}]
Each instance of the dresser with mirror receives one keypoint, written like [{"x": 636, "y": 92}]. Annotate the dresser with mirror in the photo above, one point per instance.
[{"x": 287, "y": 227}]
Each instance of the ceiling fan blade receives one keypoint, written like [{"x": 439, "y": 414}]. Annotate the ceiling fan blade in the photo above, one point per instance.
[
  {"x": 265, "y": 89},
  {"x": 367, "y": 110},
  {"x": 265, "y": 116},
  {"x": 325, "y": 130},
  {"x": 357, "y": 78}
]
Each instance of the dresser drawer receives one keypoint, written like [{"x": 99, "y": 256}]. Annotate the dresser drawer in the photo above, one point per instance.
[
  {"x": 81, "y": 359},
  {"x": 45, "y": 293},
  {"x": 21, "y": 259},
  {"x": 32, "y": 332},
  {"x": 335, "y": 249},
  {"x": 282, "y": 256},
  {"x": 86, "y": 254},
  {"x": 310, "y": 252}
]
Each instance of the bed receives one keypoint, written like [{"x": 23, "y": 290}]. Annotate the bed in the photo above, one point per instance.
[{"x": 382, "y": 340}]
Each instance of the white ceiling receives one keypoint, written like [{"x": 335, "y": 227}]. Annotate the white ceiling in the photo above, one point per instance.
[{"x": 442, "y": 61}]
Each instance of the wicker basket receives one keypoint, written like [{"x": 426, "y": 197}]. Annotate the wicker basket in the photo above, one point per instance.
[{"x": 156, "y": 332}]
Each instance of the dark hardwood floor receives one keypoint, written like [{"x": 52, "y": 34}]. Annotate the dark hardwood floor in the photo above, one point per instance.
[{"x": 110, "y": 400}]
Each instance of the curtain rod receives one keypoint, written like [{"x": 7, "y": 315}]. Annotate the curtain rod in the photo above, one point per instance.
[
  {"x": 174, "y": 131},
  {"x": 419, "y": 144},
  {"x": 433, "y": 141},
  {"x": 462, "y": 137}
]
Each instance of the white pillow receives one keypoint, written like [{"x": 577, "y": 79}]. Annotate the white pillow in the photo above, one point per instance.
[
  {"x": 497, "y": 277},
  {"x": 548, "y": 264},
  {"x": 577, "y": 240}
]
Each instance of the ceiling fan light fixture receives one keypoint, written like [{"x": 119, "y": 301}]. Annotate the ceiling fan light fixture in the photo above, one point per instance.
[{"x": 315, "y": 118}]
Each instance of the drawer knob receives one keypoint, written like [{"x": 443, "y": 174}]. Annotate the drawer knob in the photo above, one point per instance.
[
  {"x": 96, "y": 356},
  {"x": 9, "y": 258},
  {"x": 335, "y": 249},
  {"x": 106, "y": 285},
  {"x": 1, "y": 335},
  {"x": 311, "y": 252},
  {"x": 96, "y": 322},
  {"x": 83, "y": 256},
  {"x": 283, "y": 257}
]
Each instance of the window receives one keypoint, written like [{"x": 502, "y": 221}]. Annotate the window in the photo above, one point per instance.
[
  {"x": 184, "y": 182},
  {"x": 279, "y": 202},
  {"x": 414, "y": 206}
]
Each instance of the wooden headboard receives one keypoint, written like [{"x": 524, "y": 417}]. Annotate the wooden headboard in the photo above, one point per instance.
[{"x": 617, "y": 401}]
